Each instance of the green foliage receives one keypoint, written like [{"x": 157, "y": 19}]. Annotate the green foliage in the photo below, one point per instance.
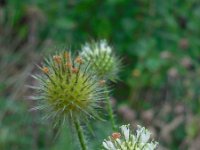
[{"x": 158, "y": 41}]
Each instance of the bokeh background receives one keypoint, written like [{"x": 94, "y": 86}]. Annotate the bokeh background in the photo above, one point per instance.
[{"x": 158, "y": 40}]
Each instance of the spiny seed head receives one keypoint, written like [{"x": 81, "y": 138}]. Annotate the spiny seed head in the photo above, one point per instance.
[
  {"x": 129, "y": 141},
  {"x": 104, "y": 62},
  {"x": 68, "y": 88}
]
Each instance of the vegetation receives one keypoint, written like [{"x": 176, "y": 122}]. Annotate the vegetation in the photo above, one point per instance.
[{"x": 158, "y": 86}]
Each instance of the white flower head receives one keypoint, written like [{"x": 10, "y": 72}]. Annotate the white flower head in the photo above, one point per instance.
[
  {"x": 96, "y": 49},
  {"x": 103, "y": 61},
  {"x": 130, "y": 141}
]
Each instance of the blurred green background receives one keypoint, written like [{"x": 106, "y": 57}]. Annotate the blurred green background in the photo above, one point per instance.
[{"x": 158, "y": 40}]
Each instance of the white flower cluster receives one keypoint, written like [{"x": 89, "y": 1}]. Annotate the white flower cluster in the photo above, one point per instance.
[
  {"x": 129, "y": 141},
  {"x": 96, "y": 49},
  {"x": 102, "y": 59}
]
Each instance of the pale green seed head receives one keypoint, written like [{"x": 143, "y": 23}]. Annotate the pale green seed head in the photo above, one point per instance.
[
  {"x": 103, "y": 61},
  {"x": 68, "y": 88}
]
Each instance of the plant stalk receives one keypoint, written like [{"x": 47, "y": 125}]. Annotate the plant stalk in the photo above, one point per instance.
[
  {"x": 80, "y": 134},
  {"x": 110, "y": 110}
]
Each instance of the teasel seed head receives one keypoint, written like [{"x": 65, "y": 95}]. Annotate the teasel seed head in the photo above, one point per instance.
[
  {"x": 68, "y": 88},
  {"x": 103, "y": 60}
]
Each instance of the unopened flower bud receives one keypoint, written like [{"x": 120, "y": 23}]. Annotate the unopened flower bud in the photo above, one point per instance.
[
  {"x": 116, "y": 135},
  {"x": 79, "y": 60},
  {"x": 45, "y": 69},
  {"x": 68, "y": 65},
  {"x": 102, "y": 82},
  {"x": 74, "y": 70},
  {"x": 57, "y": 59}
]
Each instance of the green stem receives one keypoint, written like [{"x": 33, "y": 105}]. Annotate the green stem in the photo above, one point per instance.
[
  {"x": 80, "y": 134},
  {"x": 110, "y": 110}
]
